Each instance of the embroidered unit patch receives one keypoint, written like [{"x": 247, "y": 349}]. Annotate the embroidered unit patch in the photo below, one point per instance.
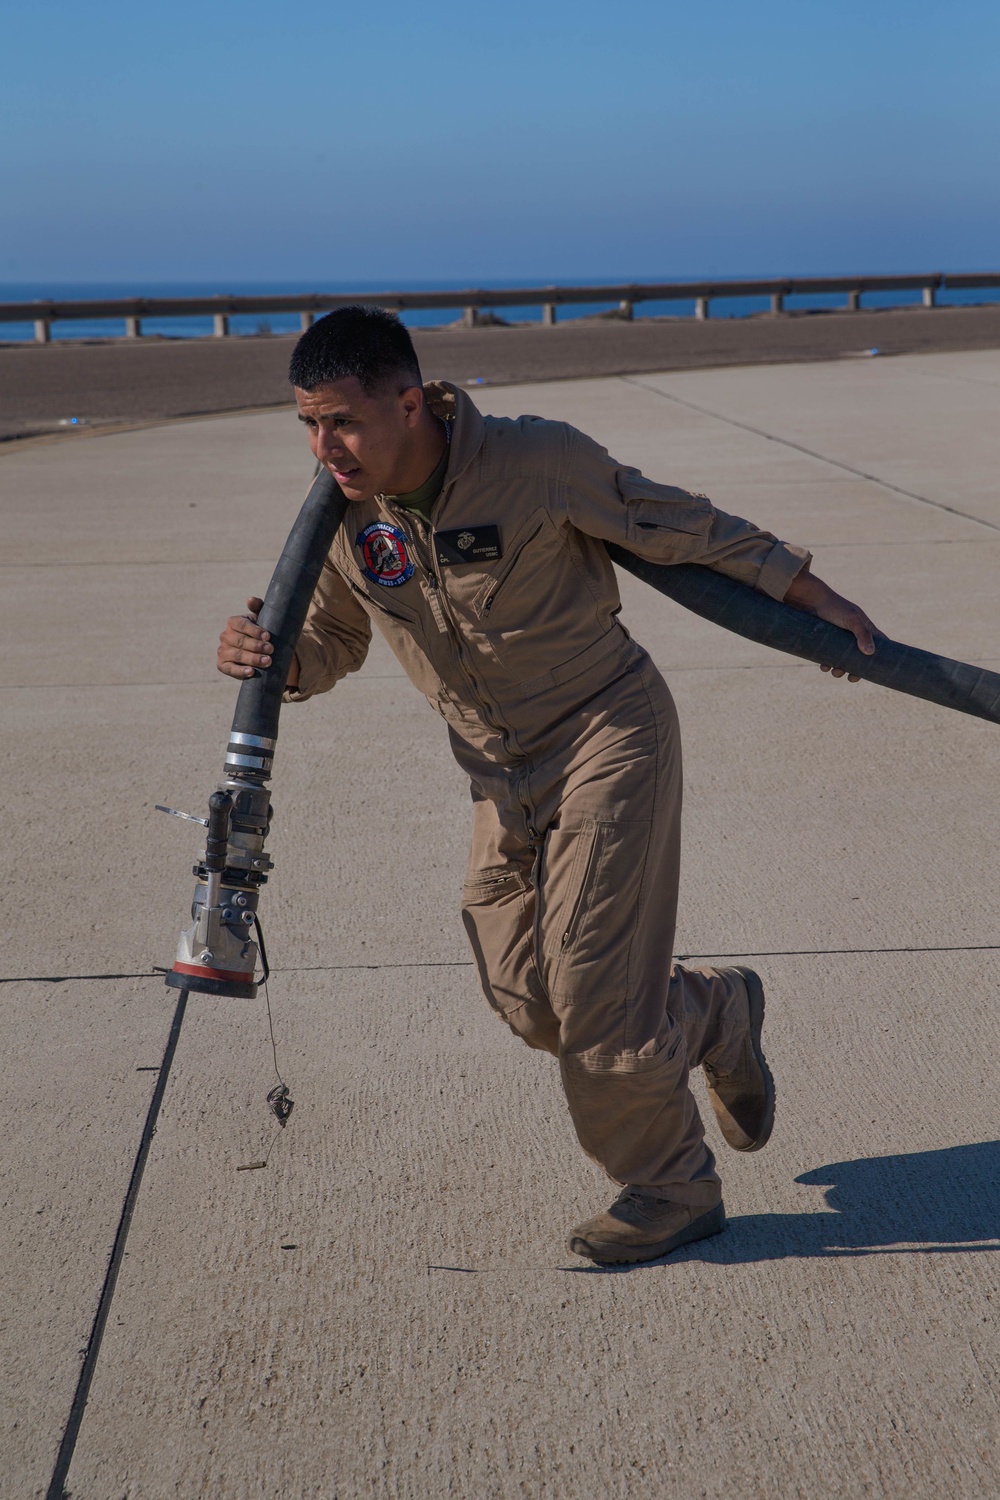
[
  {"x": 386, "y": 560},
  {"x": 468, "y": 544}
]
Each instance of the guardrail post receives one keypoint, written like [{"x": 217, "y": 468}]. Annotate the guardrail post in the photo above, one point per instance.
[
  {"x": 469, "y": 318},
  {"x": 220, "y": 325},
  {"x": 929, "y": 295},
  {"x": 777, "y": 302},
  {"x": 133, "y": 328},
  {"x": 43, "y": 331},
  {"x": 853, "y": 301},
  {"x": 306, "y": 320},
  {"x": 701, "y": 308},
  {"x": 626, "y": 310},
  {"x": 549, "y": 314}
]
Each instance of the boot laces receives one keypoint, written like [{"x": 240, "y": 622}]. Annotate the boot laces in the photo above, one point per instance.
[{"x": 640, "y": 1202}]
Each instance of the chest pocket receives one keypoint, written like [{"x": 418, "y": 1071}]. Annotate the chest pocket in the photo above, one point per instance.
[
  {"x": 518, "y": 583},
  {"x": 402, "y": 628},
  {"x": 371, "y": 597}
]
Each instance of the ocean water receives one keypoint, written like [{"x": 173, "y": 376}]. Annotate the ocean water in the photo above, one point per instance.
[{"x": 191, "y": 327}]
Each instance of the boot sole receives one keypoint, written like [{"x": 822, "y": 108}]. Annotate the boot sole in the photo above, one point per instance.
[
  {"x": 755, "y": 995},
  {"x": 702, "y": 1228}
]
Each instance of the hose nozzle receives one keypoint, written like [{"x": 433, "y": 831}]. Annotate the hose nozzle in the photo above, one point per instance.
[{"x": 217, "y": 954}]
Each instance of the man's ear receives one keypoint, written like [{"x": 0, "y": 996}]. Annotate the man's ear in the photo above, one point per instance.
[{"x": 412, "y": 400}]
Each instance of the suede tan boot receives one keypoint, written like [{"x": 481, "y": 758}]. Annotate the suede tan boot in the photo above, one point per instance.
[
  {"x": 743, "y": 1098},
  {"x": 639, "y": 1226}
]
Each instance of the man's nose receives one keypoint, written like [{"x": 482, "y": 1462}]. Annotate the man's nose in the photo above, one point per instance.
[{"x": 328, "y": 444}]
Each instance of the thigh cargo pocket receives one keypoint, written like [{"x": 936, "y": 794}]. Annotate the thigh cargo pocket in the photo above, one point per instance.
[
  {"x": 590, "y": 894},
  {"x": 498, "y": 916}
]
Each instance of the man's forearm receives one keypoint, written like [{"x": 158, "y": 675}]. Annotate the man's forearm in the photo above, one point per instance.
[{"x": 809, "y": 593}]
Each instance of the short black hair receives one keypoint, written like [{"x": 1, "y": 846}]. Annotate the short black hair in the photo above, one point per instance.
[{"x": 361, "y": 340}]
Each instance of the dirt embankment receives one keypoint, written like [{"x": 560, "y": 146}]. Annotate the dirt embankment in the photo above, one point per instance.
[{"x": 44, "y": 387}]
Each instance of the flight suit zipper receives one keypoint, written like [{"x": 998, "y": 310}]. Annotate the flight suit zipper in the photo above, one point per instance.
[
  {"x": 438, "y": 602},
  {"x": 439, "y": 598},
  {"x": 435, "y": 604}
]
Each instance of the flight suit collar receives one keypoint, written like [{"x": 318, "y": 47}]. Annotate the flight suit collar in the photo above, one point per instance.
[{"x": 468, "y": 428}]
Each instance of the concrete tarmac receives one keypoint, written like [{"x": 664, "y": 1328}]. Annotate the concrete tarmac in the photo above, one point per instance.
[{"x": 388, "y": 1309}]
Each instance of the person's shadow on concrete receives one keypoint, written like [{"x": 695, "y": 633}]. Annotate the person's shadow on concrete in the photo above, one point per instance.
[{"x": 926, "y": 1202}]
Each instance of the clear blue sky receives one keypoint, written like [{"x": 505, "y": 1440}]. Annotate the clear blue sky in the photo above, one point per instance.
[{"x": 391, "y": 141}]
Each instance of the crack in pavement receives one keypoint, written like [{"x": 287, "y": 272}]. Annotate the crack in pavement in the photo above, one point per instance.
[
  {"x": 467, "y": 963},
  {"x": 67, "y": 1447},
  {"x": 835, "y": 463}
]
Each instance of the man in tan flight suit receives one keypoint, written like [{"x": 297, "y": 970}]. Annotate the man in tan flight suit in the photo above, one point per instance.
[{"x": 477, "y": 546}]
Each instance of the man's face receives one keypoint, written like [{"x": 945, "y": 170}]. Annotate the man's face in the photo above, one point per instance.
[{"x": 365, "y": 441}]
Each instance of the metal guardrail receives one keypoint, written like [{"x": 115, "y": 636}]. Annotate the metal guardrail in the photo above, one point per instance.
[{"x": 472, "y": 301}]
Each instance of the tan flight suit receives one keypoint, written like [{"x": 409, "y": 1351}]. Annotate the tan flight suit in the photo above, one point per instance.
[{"x": 570, "y": 740}]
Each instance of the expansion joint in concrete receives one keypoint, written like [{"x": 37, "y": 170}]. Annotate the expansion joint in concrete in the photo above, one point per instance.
[
  {"x": 57, "y": 1485},
  {"x": 467, "y": 964},
  {"x": 835, "y": 463}
]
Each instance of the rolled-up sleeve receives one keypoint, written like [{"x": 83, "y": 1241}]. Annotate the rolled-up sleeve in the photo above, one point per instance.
[
  {"x": 334, "y": 639},
  {"x": 671, "y": 525}
]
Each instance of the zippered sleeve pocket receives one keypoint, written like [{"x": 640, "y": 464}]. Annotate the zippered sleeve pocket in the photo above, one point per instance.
[{"x": 652, "y": 508}]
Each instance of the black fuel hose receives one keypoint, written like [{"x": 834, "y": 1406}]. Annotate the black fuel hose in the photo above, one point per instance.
[
  {"x": 737, "y": 607},
  {"x": 215, "y": 955},
  {"x": 286, "y": 602}
]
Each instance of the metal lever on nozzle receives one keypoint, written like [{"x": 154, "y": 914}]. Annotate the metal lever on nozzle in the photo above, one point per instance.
[
  {"x": 220, "y": 808},
  {"x": 176, "y": 813}
]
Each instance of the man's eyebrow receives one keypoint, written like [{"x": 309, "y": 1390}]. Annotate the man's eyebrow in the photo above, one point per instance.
[{"x": 341, "y": 411}]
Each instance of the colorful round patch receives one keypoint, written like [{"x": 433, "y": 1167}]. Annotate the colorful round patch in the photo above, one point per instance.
[{"x": 386, "y": 559}]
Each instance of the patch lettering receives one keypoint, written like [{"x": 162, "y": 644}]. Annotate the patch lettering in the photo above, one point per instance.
[
  {"x": 384, "y": 553},
  {"x": 468, "y": 544}
]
